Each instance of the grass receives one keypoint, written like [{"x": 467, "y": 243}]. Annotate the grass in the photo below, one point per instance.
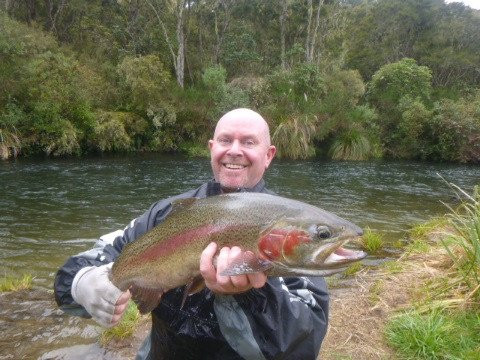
[
  {"x": 464, "y": 246},
  {"x": 392, "y": 267},
  {"x": 421, "y": 231},
  {"x": 372, "y": 242},
  {"x": 353, "y": 269},
  {"x": 15, "y": 283},
  {"x": 435, "y": 335},
  {"x": 125, "y": 328},
  {"x": 445, "y": 322}
]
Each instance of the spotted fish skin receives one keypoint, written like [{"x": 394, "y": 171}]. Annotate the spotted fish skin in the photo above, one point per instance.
[{"x": 282, "y": 237}]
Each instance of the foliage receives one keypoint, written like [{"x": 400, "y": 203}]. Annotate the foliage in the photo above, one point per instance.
[
  {"x": 353, "y": 269},
  {"x": 62, "y": 63},
  {"x": 294, "y": 138},
  {"x": 372, "y": 242},
  {"x": 145, "y": 80},
  {"x": 394, "y": 81},
  {"x": 224, "y": 96},
  {"x": 125, "y": 328},
  {"x": 15, "y": 283},
  {"x": 435, "y": 335},
  {"x": 454, "y": 130},
  {"x": 464, "y": 246}
]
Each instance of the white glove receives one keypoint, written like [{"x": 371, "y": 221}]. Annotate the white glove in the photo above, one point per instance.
[{"x": 92, "y": 289}]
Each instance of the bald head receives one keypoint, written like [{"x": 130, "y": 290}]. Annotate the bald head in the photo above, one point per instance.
[
  {"x": 240, "y": 150},
  {"x": 247, "y": 118}
]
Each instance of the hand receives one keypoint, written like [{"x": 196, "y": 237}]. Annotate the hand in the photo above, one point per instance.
[
  {"x": 227, "y": 284},
  {"x": 93, "y": 289}
]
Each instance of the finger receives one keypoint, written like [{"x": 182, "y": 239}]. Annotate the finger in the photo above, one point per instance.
[
  {"x": 239, "y": 281},
  {"x": 207, "y": 269},
  {"x": 257, "y": 280},
  {"x": 123, "y": 299},
  {"x": 222, "y": 263},
  {"x": 119, "y": 309}
]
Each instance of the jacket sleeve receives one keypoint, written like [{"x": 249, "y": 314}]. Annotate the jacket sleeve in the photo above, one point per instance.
[
  {"x": 285, "y": 319},
  {"x": 105, "y": 250}
]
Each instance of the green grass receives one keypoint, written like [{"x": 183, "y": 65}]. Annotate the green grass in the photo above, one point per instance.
[
  {"x": 421, "y": 231},
  {"x": 375, "y": 291},
  {"x": 372, "y": 242},
  {"x": 353, "y": 269},
  {"x": 417, "y": 246},
  {"x": 435, "y": 335},
  {"x": 15, "y": 283},
  {"x": 464, "y": 246},
  {"x": 392, "y": 267},
  {"x": 125, "y": 328}
]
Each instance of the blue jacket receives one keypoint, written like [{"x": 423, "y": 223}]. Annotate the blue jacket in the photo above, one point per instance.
[{"x": 285, "y": 319}]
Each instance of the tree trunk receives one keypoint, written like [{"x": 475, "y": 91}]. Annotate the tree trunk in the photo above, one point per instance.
[
  {"x": 315, "y": 32},
  {"x": 180, "y": 68},
  {"x": 309, "y": 26},
  {"x": 283, "y": 19}
]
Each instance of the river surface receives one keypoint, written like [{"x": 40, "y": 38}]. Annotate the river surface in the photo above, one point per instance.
[{"x": 51, "y": 209}]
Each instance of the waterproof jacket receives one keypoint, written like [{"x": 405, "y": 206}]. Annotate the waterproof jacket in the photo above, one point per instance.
[{"x": 285, "y": 319}]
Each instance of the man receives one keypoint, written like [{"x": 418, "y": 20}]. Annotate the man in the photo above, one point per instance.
[{"x": 234, "y": 317}]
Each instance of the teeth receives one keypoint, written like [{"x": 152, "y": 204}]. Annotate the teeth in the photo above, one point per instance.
[{"x": 234, "y": 166}]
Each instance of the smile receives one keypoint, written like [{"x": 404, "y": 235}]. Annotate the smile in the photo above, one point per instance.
[{"x": 234, "y": 166}]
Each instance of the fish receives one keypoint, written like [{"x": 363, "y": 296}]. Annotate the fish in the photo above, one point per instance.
[{"x": 280, "y": 236}]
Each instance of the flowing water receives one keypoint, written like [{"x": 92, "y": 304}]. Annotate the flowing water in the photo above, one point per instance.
[{"x": 51, "y": 209}]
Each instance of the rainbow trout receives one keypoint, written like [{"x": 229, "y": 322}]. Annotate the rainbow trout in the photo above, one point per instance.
[{"x": 282, "y": 237}]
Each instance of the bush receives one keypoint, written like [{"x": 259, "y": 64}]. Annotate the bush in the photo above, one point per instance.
[
  {"x": 145, "y": 80},
  {"x": 454, "y": 130},
  {"x": 110, "y": 133}
]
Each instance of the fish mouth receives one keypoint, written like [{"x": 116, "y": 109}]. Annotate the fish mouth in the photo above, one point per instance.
[{"x": 334, "y": 255}]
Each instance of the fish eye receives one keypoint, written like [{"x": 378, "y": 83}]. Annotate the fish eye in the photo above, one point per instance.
[{"x": 323, "y": 232}]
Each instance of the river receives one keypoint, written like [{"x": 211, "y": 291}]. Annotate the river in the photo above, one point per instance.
[{"x": 53, "y": 208}]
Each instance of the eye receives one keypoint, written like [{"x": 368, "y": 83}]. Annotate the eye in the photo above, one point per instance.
[
  {"x": 223, "y": 141},
  {"x": 249, "y": 143},
  {"x": 322, "y": 232}
]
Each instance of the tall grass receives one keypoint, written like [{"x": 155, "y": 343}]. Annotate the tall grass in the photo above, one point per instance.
[
  {"x": 294, "y": 137},
  {"x": 464, "y": 246}
]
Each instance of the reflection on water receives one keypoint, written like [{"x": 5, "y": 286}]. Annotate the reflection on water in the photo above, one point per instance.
[{"x": 50, "y": 209}]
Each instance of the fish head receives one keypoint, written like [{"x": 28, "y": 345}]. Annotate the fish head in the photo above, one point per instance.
[{"x": 311, "y": 243}]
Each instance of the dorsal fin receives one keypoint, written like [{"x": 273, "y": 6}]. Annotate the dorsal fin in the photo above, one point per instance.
[{"x": 182, "y": 204}]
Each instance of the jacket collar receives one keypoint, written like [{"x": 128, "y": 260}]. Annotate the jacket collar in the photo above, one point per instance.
[{"x": 214, "y": 188}]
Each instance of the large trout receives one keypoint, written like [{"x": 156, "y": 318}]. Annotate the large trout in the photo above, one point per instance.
[{"x": 282, "y": 237}]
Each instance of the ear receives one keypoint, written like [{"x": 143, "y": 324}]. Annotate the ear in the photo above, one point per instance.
[
  {"x": 210, "y": 144},
  {"x": 272, "y": 150}
]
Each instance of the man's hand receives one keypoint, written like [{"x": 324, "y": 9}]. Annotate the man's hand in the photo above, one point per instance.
[
  {"x": 93, "y": 289},
  {"x": 227, "y": 284}
]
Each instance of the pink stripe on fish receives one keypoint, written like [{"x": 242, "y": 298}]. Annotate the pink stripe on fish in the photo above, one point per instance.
[{"x": 168, "y": 246}]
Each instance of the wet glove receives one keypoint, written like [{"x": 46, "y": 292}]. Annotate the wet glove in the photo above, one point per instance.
[{"x": 92, "y": 289}]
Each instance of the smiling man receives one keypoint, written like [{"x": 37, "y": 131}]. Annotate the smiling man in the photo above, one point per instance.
[{"x": 234, "y": 317}]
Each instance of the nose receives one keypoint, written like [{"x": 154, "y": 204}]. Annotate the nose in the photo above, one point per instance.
[
  {"x": 234, "y": 149},
  {"x": 358, "y": 230}
]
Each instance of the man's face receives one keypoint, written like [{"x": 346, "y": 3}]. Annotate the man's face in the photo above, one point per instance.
[{"x": 240, "y": 150}]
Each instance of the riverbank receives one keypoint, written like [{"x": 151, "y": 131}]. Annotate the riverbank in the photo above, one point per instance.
[{"x": 362, "y": 306}]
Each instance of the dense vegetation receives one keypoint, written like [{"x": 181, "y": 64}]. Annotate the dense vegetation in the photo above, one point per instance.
[{"x": 347, "y": 79}]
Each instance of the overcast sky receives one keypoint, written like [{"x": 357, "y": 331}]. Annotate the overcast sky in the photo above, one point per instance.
[{"x": 472, "y": 3}]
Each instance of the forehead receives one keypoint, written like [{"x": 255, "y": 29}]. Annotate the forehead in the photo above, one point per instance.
[{"x": 241, "y": 127}]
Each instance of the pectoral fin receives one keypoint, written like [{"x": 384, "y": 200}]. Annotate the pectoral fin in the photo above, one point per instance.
[
  {"x": 146, "y": 299},
  {"x": 246, "y": 263},
  {"x": 195, "y": 285}
]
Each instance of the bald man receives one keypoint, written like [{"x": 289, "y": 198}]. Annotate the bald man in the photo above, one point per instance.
[{"x": 234, "y": 317}]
